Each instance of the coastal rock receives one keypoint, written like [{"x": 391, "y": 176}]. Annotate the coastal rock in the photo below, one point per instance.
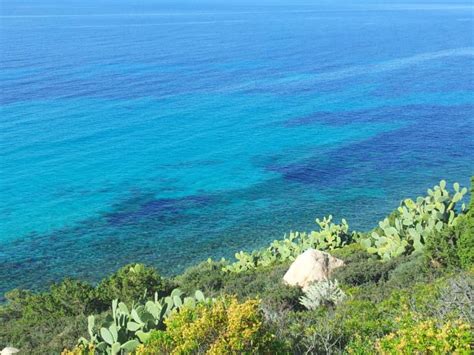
[
  {"x": 9, "y": 351},
  {"x": 311, "y": 266}
]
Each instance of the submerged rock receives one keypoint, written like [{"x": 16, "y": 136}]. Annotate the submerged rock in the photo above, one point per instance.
[{"x": 311, "y": 266}]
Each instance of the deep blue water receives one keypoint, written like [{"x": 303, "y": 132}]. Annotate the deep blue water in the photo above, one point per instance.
[{"x": 166, "y": 134}]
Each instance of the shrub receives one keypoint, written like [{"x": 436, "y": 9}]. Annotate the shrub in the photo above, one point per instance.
[
  {"x": 208, "y": 277},
  {"x": 226, "y": 326},
  {"x": 254, "y": 283},
  {"x": 80, "y": 350},
  {"x": 409, "y": 270},
  {"x": 324, "y": 293},
  {"x": 46, "y": 322},
  {"x": 441, "y": 247},
  {"x": 364, "y": 271},
  {"x": 132, "y": 283},
  {"x": 465, "y": 245},
  {"x": 363, "y": 318},
  {"x": 314, "y": 332},
  {"x": 282, "y": 297},
  {"x": 352, "y": 253},
  {"x": 425, "y": 335},
  {"x": 359, "y": 345},
  {"x": 465, "y": 227}
]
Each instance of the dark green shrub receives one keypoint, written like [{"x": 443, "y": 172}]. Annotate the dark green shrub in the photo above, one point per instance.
[
  {"x": 132, "y": 283},
  {"x": 67, "y": 298},
  {"x": 208, "y": 277},
  {"x": 441, "y": 248},
  {"x": 465, "y": 227},
  {"x": 363, "y": 271},
  {"x": 465, "y": 247},
  {"x": 352, "y": 253},
  {"x": 363, "y": 268},
  {"x": 47, "y": 322},
  {"x": 282, "y": 297},
  {"x": 312, "y": 332},
  {"x": 254, "y": 283},
  {"x": 411, "y": 270}
]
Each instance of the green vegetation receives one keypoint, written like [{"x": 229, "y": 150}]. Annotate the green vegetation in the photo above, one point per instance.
[
  {"x": 223, "y": 327},
  {"x": 406, "y": 287}
]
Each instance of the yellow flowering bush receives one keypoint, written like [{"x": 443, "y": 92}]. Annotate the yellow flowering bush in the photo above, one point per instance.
[
  {"x": 426, "y": 336},
  {"x": 226, "y": 326},
  {"x": 80, "y": 350}
]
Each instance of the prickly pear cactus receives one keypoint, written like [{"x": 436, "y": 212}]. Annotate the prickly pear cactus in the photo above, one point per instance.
[
  {"x": 414, "y": 222},
  {"x": 329, "y": 236},
  {"x": 126, "y": 328}
]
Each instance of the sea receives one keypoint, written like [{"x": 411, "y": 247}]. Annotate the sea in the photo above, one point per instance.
[{"x": 170, "y": 132}]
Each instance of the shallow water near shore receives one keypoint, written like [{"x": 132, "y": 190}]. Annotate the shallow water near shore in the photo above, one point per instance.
[{"x": 166, "y": 134}]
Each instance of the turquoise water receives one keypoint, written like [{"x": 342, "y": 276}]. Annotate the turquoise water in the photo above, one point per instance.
[{"x": 166, "y": 134}]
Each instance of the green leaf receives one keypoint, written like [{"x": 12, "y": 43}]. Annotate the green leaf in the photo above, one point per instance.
[
  {"x": 130, "y": 345},
  {"x": 133, "y": 327},
  {"x": 114, "y": 308},
  {"x": 390, "y": 231},
  {"x": 365, "y": 243},
  {"x": 115, "y": 348},
  {"x": 114, "y": 332},
  {"x": 136, "y": 317},
  {"x": 90, "y": 325},
  {"x": 199, "y": 295},
  {"x": 143, "y": 336},
  {"x": 106, "y": 335},
  {"x": 439, "y": 225},
  {"x": 177, "y": 291},
  {"x": 123, "y": 308},
  {"x": 177, "y": 301},
  {"x": 442, "y": 184}
]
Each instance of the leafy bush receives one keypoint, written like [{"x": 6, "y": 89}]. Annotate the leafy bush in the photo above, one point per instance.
[
  {"x": 132, "y": 283},
  {"x": 465, "y": 243},
  {"x": 426, "y": 335},
  {"x": 80, "y": 350},
  {"x": 366, "y": 271},
  {"x": 46, "y": 322},
  {"x": 465, "y": 226},
  {"x": 253, "y": 283},
  {"x": 441, "y": 248},
  {"x": 208, "y": 277},
  {"x": 352, "y": 253},
  {"x": 406, "y": 271},
  {"x": 282, "y": 297},
  {"x": 324, "y": 293},
  {"x": 224, "y": 327}
]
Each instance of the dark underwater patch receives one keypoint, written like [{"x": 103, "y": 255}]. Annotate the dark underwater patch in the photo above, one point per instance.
[
  {"x": 376, "y": 115},
  {"x": 424, "y": 143},
  {"x": 162, "y": 209}
]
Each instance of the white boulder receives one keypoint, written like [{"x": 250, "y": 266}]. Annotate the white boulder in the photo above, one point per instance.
[
  {"x": 9, "y": 351},
  {"x": 311, "y": 266}
]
